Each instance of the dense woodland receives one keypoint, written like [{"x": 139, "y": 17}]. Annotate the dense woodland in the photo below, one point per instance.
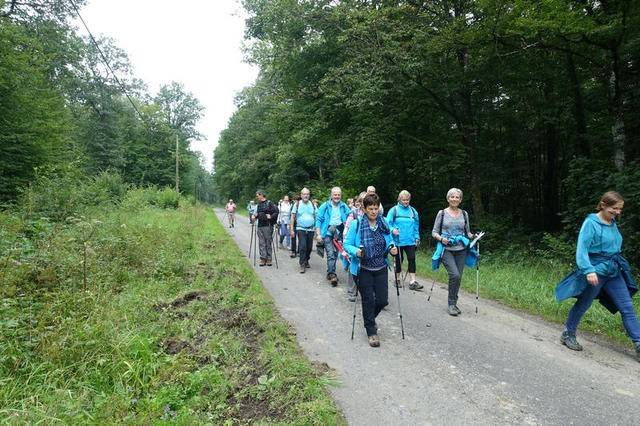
[
  {"x": 67, "y": 118},
  {"x": 531, "y": 107}
]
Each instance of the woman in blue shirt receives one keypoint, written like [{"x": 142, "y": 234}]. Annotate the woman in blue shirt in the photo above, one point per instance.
[
  {"x": 405, "y": 227},
  {"x": 368, "y": 243},
  {"x": 601, "y": 273}
]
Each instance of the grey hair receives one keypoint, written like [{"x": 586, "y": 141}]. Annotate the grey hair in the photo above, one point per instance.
[
  {"x": 451, "y": 192},
  {"x": 261, "y": 192},
  {"x": 336, "y": 188}
]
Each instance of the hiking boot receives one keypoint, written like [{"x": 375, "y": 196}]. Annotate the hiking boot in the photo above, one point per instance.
[
  {"x": 452, "y": 311},
  {"x": 306, "y": 265},
  {"x": 458, "y": 309},
  {"x": 374, "y": 342},
  {"x": 334, "y": 279},
  {"x": 263, "y": 262},
  {"x": 269, "y": 263},
  {"x": 302, "y": 269},
  {"x": 568, "y": 339},
  {"x": 415, "y": 286}
]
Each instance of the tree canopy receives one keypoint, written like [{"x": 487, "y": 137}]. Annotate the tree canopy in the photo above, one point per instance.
[
  {"x": 527, "y": 106},
  {"x": 61, "y": 104}
]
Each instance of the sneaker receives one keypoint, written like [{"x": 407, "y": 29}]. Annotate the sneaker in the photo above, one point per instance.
[
  {"x": 334, "y": 279},
  {"x": 292, "y": 255},
  {"x": 269, "y": 264},
  {"x": 415, "y": 285},
  {"x": 306, "y": 265},
  {"x": 568, "y": 339},
  {"x": 280, "y": 246},
  {"x": 263, "y": 262},
  {"x": 302, "y": 269},
  {"x": 452, "y": 311},
  {"x": 458, "y": 309},
  {"x": 374, "y": 342}
]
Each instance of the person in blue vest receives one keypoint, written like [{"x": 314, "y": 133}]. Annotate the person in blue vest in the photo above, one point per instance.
[
  {"x": 368, "y": 244},
  {"x": 252, "y": 207},
  {"x": 330, "y": 221},
  {"x": 602, "y": 273},
  {"x": 303, "y": 219},
  {"x": 405, "y": 228}
]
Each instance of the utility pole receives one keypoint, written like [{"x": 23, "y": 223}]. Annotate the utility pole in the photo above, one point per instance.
[{"x": 177, "y": 169}]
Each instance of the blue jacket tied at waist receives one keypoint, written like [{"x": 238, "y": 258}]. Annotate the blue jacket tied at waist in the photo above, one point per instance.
[
  {"x": 574, "y": 284},
  {"x": 472, "y": 255}
]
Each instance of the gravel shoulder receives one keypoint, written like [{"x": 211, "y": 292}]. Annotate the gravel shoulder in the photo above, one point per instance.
[{"x": 496, "y": 366}]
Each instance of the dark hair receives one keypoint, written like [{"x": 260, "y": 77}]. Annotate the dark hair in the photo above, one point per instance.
[
  {"x": 261, "y": 192},
  {"x": 609, "y": 199},
  {"x": 371, "y": 200},
  {"x": 297, "y": 198}
]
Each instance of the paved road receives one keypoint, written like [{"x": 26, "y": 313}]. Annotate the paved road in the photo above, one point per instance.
[{"x": 495, "y": 367}]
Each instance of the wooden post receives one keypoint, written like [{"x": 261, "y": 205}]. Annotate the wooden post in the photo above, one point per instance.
[{"x": 177, "y": 169}]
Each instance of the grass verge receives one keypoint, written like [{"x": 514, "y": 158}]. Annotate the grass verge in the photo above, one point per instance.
[{"x": 174, "y": 326}]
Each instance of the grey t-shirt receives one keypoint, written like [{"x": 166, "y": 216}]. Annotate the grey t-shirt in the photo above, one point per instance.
[{"x": 451, "y": 226}]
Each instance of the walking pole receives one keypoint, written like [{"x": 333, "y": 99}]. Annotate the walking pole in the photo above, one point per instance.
[
  {"x": 255, "y": 244},
  {"x": 355, "y": 302},
  {"x": 435, "y": 277},
  {"x": 476, "y": 241},
  {"x": 355, "y": 306},
  {"x": 275, "y": 249},
  {"x": 398, "y": 294},
  {"x": 477, "y": 275},
  {"x": 251, "y": 241}
]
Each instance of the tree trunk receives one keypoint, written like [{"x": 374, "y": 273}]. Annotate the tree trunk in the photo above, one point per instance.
[
  {"x": 617, "y": 115},
  {"x": 578, "y": 109}
]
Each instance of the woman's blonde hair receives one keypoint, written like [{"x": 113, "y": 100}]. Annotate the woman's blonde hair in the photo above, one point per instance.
[{"x": 404, "y": 194}]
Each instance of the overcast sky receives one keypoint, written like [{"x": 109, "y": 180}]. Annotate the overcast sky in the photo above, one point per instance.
[{"x": 194, "y": 42}]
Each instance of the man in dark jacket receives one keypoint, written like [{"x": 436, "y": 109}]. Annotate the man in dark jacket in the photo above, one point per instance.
[{"x": 267, "y": 215}]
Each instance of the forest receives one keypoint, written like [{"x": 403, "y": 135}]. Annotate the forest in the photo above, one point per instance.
[
  {"x": 71, "y": 110},
  {"x": 530, "y": 107}
]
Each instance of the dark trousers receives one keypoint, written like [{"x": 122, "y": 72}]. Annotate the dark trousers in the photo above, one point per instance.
[
  {"x": 305, "y": 245},
  {"x": 410, "y": 252},
  {"x": 454, "y": 263},
  {"x": 374, "y": 291}
]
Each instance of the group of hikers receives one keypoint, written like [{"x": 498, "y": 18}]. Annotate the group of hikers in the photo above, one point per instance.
[{"x": 358, "y": 233}]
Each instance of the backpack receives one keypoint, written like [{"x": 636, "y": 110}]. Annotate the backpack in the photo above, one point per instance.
[
  {"x": 395, "y": 213},
  {"x": 466, "y": 220},
  {"x": 341, "y": 206},
  {"x": 315, "y": 209}
]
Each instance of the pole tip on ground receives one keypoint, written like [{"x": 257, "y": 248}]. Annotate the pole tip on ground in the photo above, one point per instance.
[{"x": 428, "y": 324}]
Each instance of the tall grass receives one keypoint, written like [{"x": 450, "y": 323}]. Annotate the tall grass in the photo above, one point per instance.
[{"x": 174, "y": 325}]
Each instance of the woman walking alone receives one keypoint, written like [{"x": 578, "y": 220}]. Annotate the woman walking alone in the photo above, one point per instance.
[
  {"x": 451, "y": 224},
  {"x": 602, "y": 273},
  {"x": 368, "y": 243}
]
